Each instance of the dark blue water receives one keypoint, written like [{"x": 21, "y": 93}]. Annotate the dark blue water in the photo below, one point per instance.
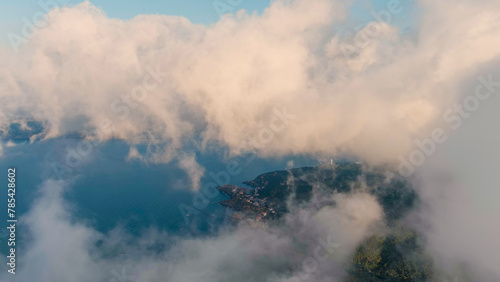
[{"x": 107, "y": 191}]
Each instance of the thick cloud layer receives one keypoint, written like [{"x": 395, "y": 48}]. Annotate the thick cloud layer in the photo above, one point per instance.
[
  {"x": 284, "y": 76},
  {"x": 312, "y": 245},
  {"x": 278, "y": 83},
  {"x": 459, "y": 185}
]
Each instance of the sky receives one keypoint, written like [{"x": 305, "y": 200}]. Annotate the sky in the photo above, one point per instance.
[
  {"x": 200, "y": 11},
  {"x": 197, "y": 11},
  {"x": 277, "y": 83}
]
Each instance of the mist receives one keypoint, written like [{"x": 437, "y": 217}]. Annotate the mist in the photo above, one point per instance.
[{"x": 278, "y": 83}]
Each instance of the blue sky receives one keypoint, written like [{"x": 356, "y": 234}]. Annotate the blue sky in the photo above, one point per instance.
[{"x": 198, "y": 11}]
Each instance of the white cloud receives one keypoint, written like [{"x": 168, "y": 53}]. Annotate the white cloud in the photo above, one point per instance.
[
  {"x": 63, "y": 248},
  {"x": 193, "y": 169},
  {"x": 222, "y": 82},
  {"x": 459, "y": 186},
  {"x": 60, "y": 249}
]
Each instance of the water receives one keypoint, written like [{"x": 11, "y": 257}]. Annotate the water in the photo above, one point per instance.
[{"x": 107, "y": 191}]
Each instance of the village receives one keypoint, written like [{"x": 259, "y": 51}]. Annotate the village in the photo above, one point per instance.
[{"x": 249, "y": 206}]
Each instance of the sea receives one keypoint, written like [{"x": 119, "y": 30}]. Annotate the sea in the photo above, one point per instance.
[{"x": 107, "y": 190}]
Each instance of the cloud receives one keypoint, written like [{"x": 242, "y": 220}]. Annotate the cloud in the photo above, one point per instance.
[
  {"x": 60, "y": 248},
  {"x": 458, "y": 185},
  {"x": 193, "y": 169},
  {"x": 63, "y": 248},
  {"x": 167, "y": 82},
  {"x": 351, "y": 220},
  {"x": 164, "y": 80}
]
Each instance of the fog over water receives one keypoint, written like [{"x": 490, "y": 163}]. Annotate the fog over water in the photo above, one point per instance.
[{"x": 166, "y": 104}]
